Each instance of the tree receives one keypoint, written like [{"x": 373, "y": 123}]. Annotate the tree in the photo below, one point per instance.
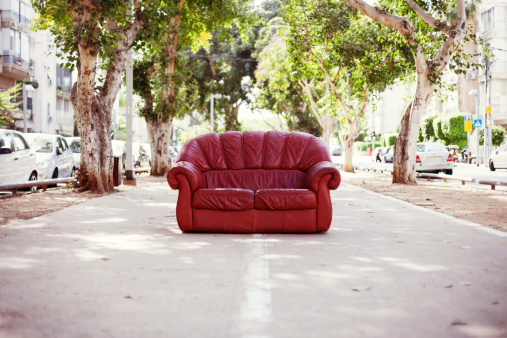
[
  {"x": 353, "y": 57},
  {"x": 7, "y": 106},
  {"x": 434, "y": 42},
  {"x": 163, "y": 79},
  {"x": 96, "y": 36},
  {"x": 277, "y": 91}
]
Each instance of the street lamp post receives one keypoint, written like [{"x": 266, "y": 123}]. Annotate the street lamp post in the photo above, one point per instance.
[
  {"x": 213, "y": 96},
  {"x": 26, "y": 88}
]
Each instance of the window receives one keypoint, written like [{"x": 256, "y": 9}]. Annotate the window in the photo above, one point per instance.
[
  {"x": 6, "y": 141},
  {"x": 488, "y": 20},
  {"x": 65, "y": 144},
  {"x": 25, "y": 47},
  {"x": 19, "y": 143}
]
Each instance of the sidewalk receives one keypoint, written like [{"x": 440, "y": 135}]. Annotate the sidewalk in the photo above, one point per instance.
[{"x": 118, "y": 266}]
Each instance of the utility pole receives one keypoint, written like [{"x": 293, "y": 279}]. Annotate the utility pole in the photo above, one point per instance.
[{"x": 129, "y": 173}]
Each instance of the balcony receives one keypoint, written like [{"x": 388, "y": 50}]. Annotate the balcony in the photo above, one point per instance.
[
  {"x": 12, "y": 19},
  {"x": 15, "y": 67}
]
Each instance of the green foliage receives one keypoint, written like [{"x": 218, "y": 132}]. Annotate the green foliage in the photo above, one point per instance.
[
  {"x": 7, "y": 105},
  {"x": 449, "y": 129},
  {"x": 193, "y": 132},
  {"x": 498, "y": 136},
  {"x": 392, "y": 140},
  {"x": 437, "y": 128},
  {"x": 427, "y": 131}
]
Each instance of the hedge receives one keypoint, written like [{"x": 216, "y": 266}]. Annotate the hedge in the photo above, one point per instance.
[
  {"x": 498, "y": 136},
  {"x": 427, "y": 132}
]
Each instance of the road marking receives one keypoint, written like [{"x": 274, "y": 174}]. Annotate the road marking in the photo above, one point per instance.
[{"x": 256, "y": 309}]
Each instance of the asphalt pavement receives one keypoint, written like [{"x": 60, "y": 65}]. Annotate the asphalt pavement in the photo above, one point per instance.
[{"x": 118, "y": 266}]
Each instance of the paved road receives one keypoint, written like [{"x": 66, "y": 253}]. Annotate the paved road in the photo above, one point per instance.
[{"x": 118, "y": 266}]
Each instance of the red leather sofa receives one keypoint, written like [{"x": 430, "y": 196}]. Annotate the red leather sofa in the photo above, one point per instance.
[{"x": 254, "y": 182}]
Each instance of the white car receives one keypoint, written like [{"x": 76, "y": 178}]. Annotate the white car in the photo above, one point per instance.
[
  {"x": 75, "y": 146},
  {"x": 498, "y": 160},
  {"x": 54, "y": 157},
  {"x": 433, "y": 157},
  {"x": 17, "y": 159}
]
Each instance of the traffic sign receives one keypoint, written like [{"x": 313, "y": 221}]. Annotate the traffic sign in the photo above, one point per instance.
[
  {"x": 488, "y": 109},
  {"x": 468, "y": 117},
  {"x": 468, "y": 126},
  {"x": 478, "y": 123}
]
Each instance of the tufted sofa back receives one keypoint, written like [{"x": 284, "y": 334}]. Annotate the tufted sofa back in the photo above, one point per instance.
[{"x": 254, "y": 159}]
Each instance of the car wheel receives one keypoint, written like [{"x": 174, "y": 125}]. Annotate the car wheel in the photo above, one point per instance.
[
  {"x": 448, "y": 171},
  {"x": 73, "y": 172},
  {"x": 55, "y": 175},
  {"x": 491, "y": 166},
  {"x": 33, "y": 177}
]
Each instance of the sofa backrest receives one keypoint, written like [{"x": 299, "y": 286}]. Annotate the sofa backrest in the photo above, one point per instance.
[
  {"x": 254, "y": 159},
  {"x": 254, "y": 150}
]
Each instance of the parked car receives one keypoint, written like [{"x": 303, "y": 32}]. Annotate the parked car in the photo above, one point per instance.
[
  {"x": 17, "y": 158},
  {"x": 498, "y": 160},
  {"x": 433, "y": 157},
  {"x": 388, "y": 155},
  {"x": 75, "y": 146},
  {"x": 376, "y": 155},
  {"x": 54, "y": 157},
  {"x": 337, "y": 151}
]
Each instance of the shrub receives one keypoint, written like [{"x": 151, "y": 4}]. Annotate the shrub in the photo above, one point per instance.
[
  {"x": 392, "y": 140},
  {"x": 437, "y": 127},
  {"x": 453, "y": 129},
  {"x": 498, "y": 136},
  {"x": 427, "y": 131}
]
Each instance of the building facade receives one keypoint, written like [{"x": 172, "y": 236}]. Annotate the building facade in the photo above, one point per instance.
[
  {"x": 493, "y": 29},
  {"x": 31, "y": 57}
]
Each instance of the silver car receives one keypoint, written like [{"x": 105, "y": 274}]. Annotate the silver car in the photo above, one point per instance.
[
  {"x": 433, "y": 157},
  {"x": 498, "y": 160},
  {"x": 54, "y": 157},
  {"x": 17, "y": 159}
]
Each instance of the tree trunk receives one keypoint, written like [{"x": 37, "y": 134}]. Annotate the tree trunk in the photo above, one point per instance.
[
  {"x": 406, "y": 143},
  {"x": 350, "y": 136},
  {"x": 160, "y": 140},
  {"x": 94, "y": 124}
]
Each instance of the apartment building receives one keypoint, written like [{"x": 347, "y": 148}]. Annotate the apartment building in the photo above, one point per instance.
[
  {"x": 31, "y": 56},
  {"x": 493, "y": 29}
]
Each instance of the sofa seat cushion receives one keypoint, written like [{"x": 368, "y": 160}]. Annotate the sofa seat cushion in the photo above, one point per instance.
[
  {"x": 223, "y": 199},
  {"x": 285, "y": 199}
]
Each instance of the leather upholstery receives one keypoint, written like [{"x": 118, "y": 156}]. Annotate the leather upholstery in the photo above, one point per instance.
[
  {"x": 223, "y": 199},
  {"x": 315, "y": 173},
  {"x": 285, "y": 199},
  {"x": 254, "y": 179},
  {"x": 254, "y": 182}
]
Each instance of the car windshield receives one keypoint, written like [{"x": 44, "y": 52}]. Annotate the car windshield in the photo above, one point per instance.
[
  {"x": 426, "y": 148},
  {"x": 43, "y": 145},
  {"x": 75, "y": 146}
]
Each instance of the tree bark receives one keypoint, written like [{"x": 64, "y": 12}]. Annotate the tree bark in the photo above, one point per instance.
[
  {"x": 348, "y": 143},
  {"x": 159, "y": 128},
  {"x": 405, "y": 147},
  {"x": 160, "y": 141},
  {"x": 93, "y": 111}
]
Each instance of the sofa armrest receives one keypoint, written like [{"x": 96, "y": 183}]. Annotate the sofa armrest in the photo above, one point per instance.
[
  {"x": 317, "y": 171},
  {"x": 190, "y": 171}
]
